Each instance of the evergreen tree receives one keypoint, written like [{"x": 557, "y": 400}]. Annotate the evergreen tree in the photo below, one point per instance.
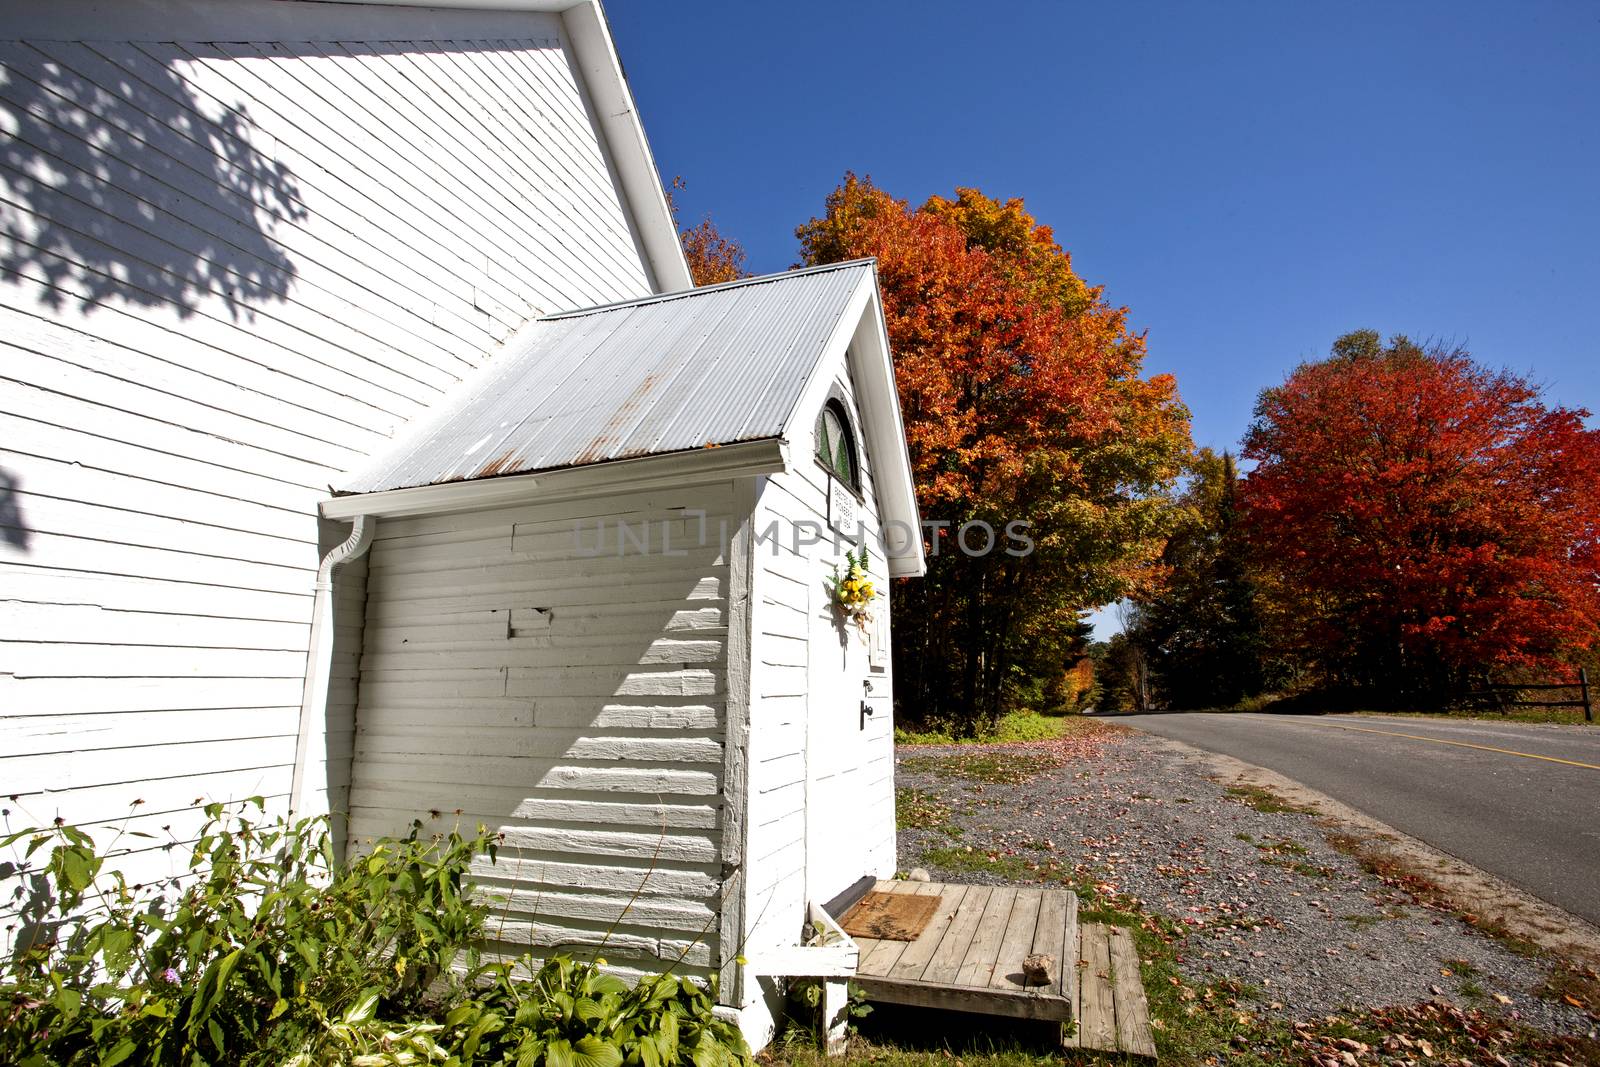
[{"x": 1201, "y": 630}]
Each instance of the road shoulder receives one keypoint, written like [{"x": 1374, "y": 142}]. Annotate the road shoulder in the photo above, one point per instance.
[
  {"x": 1492, "y": 902},
  {"x": 1269, "y": 923}
]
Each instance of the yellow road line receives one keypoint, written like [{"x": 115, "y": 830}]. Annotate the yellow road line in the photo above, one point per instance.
[{"x": 1461, "y": 744}]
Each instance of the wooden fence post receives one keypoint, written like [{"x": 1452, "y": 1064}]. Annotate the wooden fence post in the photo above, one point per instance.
[{"x": 1583, "y": 690}]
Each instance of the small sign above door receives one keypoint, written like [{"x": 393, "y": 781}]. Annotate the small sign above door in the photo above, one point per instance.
[{"x": 844, "y": 510}]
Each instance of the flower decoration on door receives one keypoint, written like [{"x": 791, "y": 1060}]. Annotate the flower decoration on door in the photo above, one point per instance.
[{"x": 853, "y": 592}]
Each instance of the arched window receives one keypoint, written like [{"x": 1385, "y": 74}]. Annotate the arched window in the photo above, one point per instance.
[{"x": 836, "y": 445}]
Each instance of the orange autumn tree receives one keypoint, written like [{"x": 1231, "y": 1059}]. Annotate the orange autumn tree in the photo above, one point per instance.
[{"x": 1024, "y": 402}]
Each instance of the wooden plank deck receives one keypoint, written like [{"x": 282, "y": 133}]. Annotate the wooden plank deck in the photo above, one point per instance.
[{"x": 969, "y": 958}]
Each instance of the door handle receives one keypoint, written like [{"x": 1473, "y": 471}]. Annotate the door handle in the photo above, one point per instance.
[{"x": 866, "y": 712}]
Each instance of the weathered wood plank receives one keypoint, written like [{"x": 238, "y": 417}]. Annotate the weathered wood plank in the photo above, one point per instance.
[
  {"x": 644, "y": 746},
  {"x": 946, "y": 961},
  {"x": 917, "y": 954},
  {"x": 1097, "y": 1024},
  {"x": 1127, "y": 992},
  {"x": 1050, "y": 929},
  {"x": 619, "y": 873},
  {"x": 1012, "y": 1003},
  {"x": 537, "y": 773},
  {"x": 1018, "y": 940},
  {"x": 1068, "y": 984},
  {"x": 977, "y": 965}
]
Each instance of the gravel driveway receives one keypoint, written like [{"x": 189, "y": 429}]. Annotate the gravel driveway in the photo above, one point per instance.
[{"x": 1266, "y": 900}]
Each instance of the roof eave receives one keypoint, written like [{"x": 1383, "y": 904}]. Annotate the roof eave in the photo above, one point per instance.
[
  {"x": 901, "y": 488},
  {"x": 720, "y": 463},
  {"x": 873, "y": 369},
  {"x": 630, "y": 148}
]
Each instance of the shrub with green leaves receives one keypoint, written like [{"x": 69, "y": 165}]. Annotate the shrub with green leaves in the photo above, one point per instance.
[
  {"x": 271, "y": 952},
  {"x": 266, "y": 943},
  {"x": 572, "y": 1014}
]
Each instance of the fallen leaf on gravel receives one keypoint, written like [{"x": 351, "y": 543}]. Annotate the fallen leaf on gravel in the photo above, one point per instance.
[
  {"x": 1574, "y": 1001},
  {"x": 1502, "y": 998}
]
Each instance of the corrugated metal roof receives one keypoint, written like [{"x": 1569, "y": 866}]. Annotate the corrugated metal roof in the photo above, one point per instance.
[{"x": 669, "y": 373}]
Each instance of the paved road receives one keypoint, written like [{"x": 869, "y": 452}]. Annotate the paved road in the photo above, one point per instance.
[{"x": 1519, "y": 800}]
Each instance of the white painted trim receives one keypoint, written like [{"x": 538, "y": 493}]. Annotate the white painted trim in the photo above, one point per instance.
[
  {"x": 819, "y": 378},
  {"x": 742, "y": 608},
  {"x": 806, "y": 961},
  {"x": 838, "y": 959},
  {"x": 747, "y": 459},
  {"x": 873, "y": 364},
  {"x": 629, "y": 148},
  {"x": 660, "y": 298},
  {"x": 863, "y": 338},
  {"x": 272, "y": 20}
]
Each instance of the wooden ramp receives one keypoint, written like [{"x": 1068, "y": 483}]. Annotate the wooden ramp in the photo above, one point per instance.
[
  {"x": 1112, "y": 1013},
  {"x": 969, "y": 958}
]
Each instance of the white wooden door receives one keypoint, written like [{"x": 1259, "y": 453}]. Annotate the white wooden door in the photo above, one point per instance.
[{"x": 836, "y": 850}]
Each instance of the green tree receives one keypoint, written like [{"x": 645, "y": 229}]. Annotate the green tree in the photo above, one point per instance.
[
  {"x": 1121, "y": 673},
  {"x": 1201, "y": 627}
]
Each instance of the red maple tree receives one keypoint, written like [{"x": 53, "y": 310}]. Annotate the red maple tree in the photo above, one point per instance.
[{"x": 1427, "y": 519}]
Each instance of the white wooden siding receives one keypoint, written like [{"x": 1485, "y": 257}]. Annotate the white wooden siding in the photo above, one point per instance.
[
  {"x": 574, "y": 703},
  {"x": 232, "y": 270},
  {"x": 788, "y": 590}
]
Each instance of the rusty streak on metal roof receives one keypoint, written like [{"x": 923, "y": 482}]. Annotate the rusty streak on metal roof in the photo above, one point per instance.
[{"x": 669, "y": 373}]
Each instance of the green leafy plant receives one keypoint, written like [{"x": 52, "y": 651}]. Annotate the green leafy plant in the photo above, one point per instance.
[
  {"x": 263, "y": 945},
  {"x": 572, "y": 1014},
  {"x": 807, "y": 1024},
  {"x": 272, "y": 952}
]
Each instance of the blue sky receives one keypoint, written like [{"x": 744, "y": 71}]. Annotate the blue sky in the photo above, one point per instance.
[{"x": 1250, "y": 179}]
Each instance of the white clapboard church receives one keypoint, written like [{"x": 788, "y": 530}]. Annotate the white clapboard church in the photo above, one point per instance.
[{"x": 366, "y": 447}]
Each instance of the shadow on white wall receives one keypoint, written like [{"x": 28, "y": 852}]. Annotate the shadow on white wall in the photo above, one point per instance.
[{"x": 118, "y": 182}]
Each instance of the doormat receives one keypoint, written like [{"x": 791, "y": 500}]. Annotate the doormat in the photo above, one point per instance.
[{"x": 889, "y": 916}]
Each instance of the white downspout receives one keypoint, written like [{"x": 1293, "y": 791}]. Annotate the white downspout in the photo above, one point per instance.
[{"x": 319, "y": 657}]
